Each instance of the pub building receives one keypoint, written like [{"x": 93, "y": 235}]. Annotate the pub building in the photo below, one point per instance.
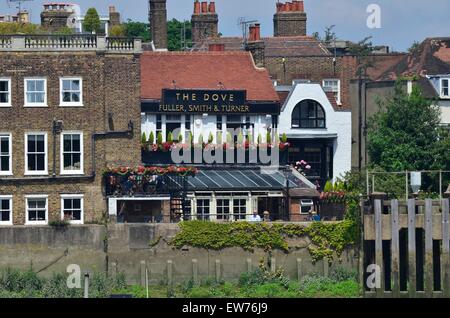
[{"x": 198, "y": 98}]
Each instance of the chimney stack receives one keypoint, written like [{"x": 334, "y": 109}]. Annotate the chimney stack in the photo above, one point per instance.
[
  {"x": 205, "y": 21},
  {"x": 158, "y": 23},
  {"x": 290, "y": 19},
  {"x": 114, "y": 16},
  {"x": 255, "y": 45}
]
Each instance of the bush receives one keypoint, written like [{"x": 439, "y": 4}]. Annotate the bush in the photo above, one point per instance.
[{"x": 341, "y": 274}]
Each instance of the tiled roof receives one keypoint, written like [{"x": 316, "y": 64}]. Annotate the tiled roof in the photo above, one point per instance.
[
  {"x": 204, "y": 70},
  {"x": 275, "y": 46},
  {"x": 431, "y": 57}
]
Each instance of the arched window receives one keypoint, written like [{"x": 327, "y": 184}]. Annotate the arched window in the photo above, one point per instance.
[{"x": 308, "y": 114}]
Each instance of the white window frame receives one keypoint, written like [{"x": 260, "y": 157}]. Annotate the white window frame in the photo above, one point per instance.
[
  {"x": 9, "y": 172},
  {"x": 9, "y": 103},
  {"x": 31, "y": 197},
  {"x": 72, "y": 172},
  {"x": 339, "y": 99},
  {"x": 441, "y": 86},
  {"x": 61, "y": 97},
  {"x": 26, "y": 103},
  {"x": 73, "y": 196},
  {"x": 40, "y": 172},
  {"x": 8, "y": 197}
]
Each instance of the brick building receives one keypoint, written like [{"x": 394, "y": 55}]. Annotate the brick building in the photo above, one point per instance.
[{"x": 62, "y": 123}]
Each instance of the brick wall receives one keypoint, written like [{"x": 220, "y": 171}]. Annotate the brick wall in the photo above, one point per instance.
[
  {"x": 158, "y": 23},
  {"x": 315, "y": 69},
  {"x": 289, "y": 24},
  {"x": 111, "y": 84}
]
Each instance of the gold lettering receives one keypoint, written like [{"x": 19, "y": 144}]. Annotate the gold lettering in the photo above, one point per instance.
[
  {"x": 206, "y": 97},
  {"x": 185, "y": 97},
  {"x": 215, "y": 97},
  {"x": 178, "y": 96},
  {"x": 194, "y": 97},
  {"x": 231, "y": 97}
]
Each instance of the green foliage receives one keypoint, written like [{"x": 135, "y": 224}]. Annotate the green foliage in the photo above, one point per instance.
[
  {"x": 151, "y": 139},
  {"x": 240, "y": 139},
  {"x": 143, "y": 138},
  {"x": 180, "y": 138},
  {"x": 64, "y": 31},
  {"x": 403, "y": 135},
  {"x": 229, "y": 138},
  {"x": 327, "y": 238},
  {"x": 159, "y": 138},
  {"x": 170, "y": 137},
  {"x": 137, "y": 30},
  {"x": 92, "y": 21},
  {"x": 250, "y": 138},
  {"x": 210, "y": 138},
  {"x": 219, "y": 138},
  {"x": 259, "y": 139},
  {"x": 200, "y": 139},
  {"x": 190, "y": 138},
  {"x": 19, "y": 28},
  {"x": 328, "y": 186},
  {"x": 263, "y": 276},
  {"x": 174, "y": 34},
  {"x": 268, "y": 138},
  {"x": 59, "y": 223},
  {"x": 414, "y": 48},
  {"x": 319, "y": 286},
  {"x": 117, "y": 31},
  {"x": 284, "y": 138}
]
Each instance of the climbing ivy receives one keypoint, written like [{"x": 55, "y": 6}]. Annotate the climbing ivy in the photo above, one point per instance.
[{"x": 326, "y": 238}]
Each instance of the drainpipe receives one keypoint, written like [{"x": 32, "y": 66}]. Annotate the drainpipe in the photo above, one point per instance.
[{"x": 57, "y": 129}]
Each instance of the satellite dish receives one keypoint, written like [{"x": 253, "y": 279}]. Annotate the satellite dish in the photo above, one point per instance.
[{"x": 72, "y": 21}]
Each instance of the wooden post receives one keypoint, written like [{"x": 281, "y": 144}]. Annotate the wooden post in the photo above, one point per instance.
[
  {"x": 143, "y": 266},
  {"x": 429, "y": 248},
  {"x": 379, "y": 246},
  {"x": 249, "y": 265},
  {"x": 326, "y": 267},
  {"x": 273, "y": 265},
  {"x": 217, "y": 270},
  {"x": 412, "y": 247},
  {"x": 299, "y": 269},
  {"x": 195, "y": 272},
  {"x": 169, "y": 273},
  {"x": 445, "y": 259},
  {"x": 395, "y": 248}
]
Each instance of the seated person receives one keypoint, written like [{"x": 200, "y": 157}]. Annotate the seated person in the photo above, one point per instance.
[{"x": 255, "y": 217}]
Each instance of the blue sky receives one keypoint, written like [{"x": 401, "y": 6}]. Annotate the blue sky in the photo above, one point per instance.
[{"x": 402, "y": 21}]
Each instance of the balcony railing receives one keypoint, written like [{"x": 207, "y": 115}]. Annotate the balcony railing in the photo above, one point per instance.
[{"x": 76, "y": 42}]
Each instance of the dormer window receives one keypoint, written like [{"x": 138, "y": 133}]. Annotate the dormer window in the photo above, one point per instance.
[{"x": 445, "y": 89}]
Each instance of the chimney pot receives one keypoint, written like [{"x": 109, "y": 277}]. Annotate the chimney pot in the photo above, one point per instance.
[
  {"x": 112, "y": 9},
  {"x": 288, "y": 6},
  {"x": 301, "y": 6},
  {"x": 217, "y": 47},
  {"x": 257, "y": 32},
  {"x": 204, "y": 7},
  {"x": 279, "y": 6},
  {"x": 197, "y": 7},
  {"x": 212, "y": 7}
]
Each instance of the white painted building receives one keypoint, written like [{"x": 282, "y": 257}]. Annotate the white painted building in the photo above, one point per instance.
[{"x": 318, "y": 133}]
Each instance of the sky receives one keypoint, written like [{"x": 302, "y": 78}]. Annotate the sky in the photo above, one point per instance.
[{"x": 402, "y": 21}]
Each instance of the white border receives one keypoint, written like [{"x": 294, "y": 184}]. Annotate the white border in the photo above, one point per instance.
[
  {"x": 61, "y": 158},
  {"x": 73, "y": 196},
  {"x": 70, "y": 104},
  {"x": 8, "y": 173},
  {"x": 339, "y": 100},
  {"x": 38, "y": 196},
  {"x": 36, "y": 173},
  {"x": 10, "y": 198},
  {"x": 25, "y": 103},
  {"x": 9, "y": 104},
  {"x": 441, "y": 93}
]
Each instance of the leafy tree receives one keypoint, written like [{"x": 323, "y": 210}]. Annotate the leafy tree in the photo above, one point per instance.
[
  {"x": 143, "y": 138},
  {"x": 404, "y": 134},
  {"x": 362, "y": 51},
  {"x": 174, "y": 34},
  {"x": 137, "y": 29},
  {"x": 151, "y": 139},
  {"x": 92, "y": 21},
  {"x": 117, "y": 31},
  {"x": 19, "y": 28},
  {"x": 414, "y": 47}
]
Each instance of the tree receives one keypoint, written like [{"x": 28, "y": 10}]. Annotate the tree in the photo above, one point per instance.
[
  {"x": 175, "y": 30},
  {"x": 362, "y": 51},
  {"x": 137, "y": 30},
  {"x": 92, "y": 21},
  {"x": 414, "y": 47},
  {"x": 117, "y": 31},
  {"x": 404, "y": 134}
]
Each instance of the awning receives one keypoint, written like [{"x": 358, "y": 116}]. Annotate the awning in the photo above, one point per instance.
[{"x": 244, "y": 179}]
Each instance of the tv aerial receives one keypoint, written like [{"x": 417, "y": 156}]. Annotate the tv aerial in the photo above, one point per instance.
[
  {"x": 18, "y": 2},
  {"x": 243, "y": 24}
]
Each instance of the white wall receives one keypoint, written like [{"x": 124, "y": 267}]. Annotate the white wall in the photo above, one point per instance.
[
  {"x": 445, "y": 111},
  {"x": 338, "y": 125}
]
